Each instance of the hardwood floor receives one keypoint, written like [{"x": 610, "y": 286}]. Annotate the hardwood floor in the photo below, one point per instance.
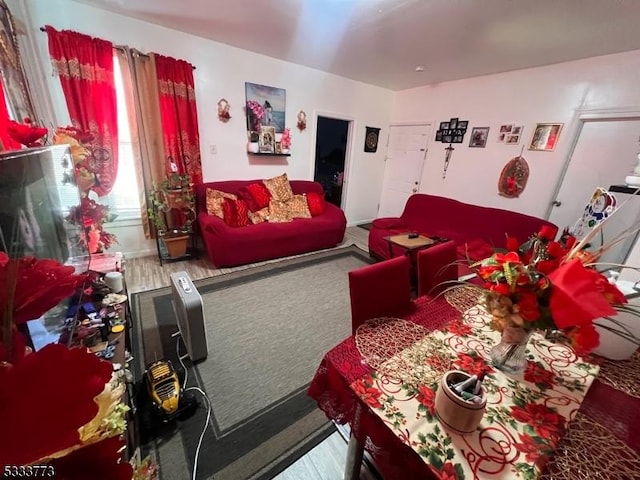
[{"x": 327, "y": 460}]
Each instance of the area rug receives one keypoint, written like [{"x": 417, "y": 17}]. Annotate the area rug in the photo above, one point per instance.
[{"x": 267, "y": 330}]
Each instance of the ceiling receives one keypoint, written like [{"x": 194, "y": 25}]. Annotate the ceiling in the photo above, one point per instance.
[{"x": 381, "y": 42}]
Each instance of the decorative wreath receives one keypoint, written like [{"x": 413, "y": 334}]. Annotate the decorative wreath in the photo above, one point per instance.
[{"x": 513, "y": 178}]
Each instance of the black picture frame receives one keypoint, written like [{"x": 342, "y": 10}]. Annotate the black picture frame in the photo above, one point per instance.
[
  {"x": 447, "y": 139},
  {"x": 438, "y": 136},
  {"x": 463, "y": 124},
  {"x": 453, "y": 123},
  {"x": 444, "y": 125},
  {"x": 457, "y": 139}
]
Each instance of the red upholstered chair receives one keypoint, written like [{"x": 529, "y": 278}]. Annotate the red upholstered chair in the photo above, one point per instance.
[
  {"x": 436, "y": 265},
  {"x": 379, "y": 290}
]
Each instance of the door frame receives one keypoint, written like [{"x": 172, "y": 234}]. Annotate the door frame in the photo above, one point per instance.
[
  {"x": 580, "y": 118},
  {"x": 348, "y": 152}
]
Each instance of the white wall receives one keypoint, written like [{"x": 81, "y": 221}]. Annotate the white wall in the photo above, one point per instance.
[
  {"x": 551, "y": 94},
  {"x": 222, "y": 72}
]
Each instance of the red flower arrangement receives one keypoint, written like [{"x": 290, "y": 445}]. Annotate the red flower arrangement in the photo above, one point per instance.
[
  {"x": 543, "y": 284},
  {"x": 30, "y": 287},
  {"x": 90, "y": 215}
]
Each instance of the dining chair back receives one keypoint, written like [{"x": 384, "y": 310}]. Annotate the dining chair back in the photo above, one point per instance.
[
  {"x": 436, "y": 266},
  {"x": 379, "y": 290}
]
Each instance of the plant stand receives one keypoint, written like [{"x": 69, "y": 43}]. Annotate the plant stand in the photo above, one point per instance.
[{"x": 176, "y": 246}]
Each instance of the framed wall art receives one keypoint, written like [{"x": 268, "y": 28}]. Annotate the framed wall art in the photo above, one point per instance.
[
  {"x": 479, "y": 137},
  {"x": 273, "y": 103},
  {"x": 545, "y": 137}
]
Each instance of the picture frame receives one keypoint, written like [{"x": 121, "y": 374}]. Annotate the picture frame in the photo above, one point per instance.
[
  {"x": 545, "y": 137},
  {"x": 506, "y": 127},
  {"x": 462, "y": 124},
  {"x": 453, "y": 123},
  {"x": 274, "y": 102},
  {"x": 278, "y": 148},
  {"x": 516, "y": 130},
  {"x": 267, "y": 140},
  {"x": 511, "y": 139},
  {"x": 444, "y": 125},
  {"x": 439, "y": 136},
  {"x": 447, "y": 139},
  {"x": 479, "y": 136}
]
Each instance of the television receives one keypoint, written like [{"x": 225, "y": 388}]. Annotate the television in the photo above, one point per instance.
[{"x": 34, "y": 201}]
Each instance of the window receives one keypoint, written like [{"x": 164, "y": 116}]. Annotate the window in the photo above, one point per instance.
[{"x": 124, "y": 197}]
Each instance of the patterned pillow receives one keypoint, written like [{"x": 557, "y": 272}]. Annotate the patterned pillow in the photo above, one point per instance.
[
  {"x": 215, "y": 199},
  {"x": 279, "y": 212},
  {"x": 279, "y": 187},
  {"x": 316, "y": 203},
  {"x": 256, "y": 195},
  {"x": 235, "y": 213},
  {"x": 259, "y": 216},
  {"x": 298, "y": 207}
]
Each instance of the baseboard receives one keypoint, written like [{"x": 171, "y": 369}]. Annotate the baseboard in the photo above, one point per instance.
[{"x": 141, "y": 253}]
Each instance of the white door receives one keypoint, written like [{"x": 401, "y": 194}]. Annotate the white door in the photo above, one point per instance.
[
  {"x": 606, "y": 152},
  {"x": 406, "y": 153}
]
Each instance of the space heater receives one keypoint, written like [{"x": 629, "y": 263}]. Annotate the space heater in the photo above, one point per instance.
[{"x": 187, "y": 304}]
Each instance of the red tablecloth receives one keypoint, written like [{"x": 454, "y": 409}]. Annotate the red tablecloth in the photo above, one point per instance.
[{"x": 614, "y": 410}]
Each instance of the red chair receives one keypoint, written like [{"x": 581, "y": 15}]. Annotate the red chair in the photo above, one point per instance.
[
  {"x": 436, "y": 265},
  {"x": 380, "y": 290}
]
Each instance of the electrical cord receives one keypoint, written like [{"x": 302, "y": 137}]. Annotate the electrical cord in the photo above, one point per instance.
[{"x": 204, "y": 395}]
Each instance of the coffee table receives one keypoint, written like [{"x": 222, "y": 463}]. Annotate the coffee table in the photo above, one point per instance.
[{"x": 409, "y": 244}]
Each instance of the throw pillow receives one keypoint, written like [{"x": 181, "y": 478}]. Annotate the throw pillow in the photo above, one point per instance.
[
  {"x": 298, "y": 207},
  {"x": 279, "y": 188},
  {"x": 215, "y": 199},
  {"x": 279, "y": 212},
  {"x": 235, "y": 213},
  {"x": 259, "y": 216},
  {"x": 256, "y": 195},
  {"x": 315, "y": 201}
]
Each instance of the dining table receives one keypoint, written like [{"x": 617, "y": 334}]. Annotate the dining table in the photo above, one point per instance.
[{"x": 564, "y": 417}]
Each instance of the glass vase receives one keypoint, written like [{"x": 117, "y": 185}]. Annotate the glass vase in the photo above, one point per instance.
[{"x": 510, "y": 354}]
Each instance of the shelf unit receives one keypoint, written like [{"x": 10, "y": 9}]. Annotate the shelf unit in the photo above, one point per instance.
[{"x": 266, "y": 154}]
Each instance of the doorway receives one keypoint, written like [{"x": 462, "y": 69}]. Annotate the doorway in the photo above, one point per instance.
[
  {"x": 406, "y": 154},
  {"x": 604, "y": 152},
  {"x": 331, "y": 147}
]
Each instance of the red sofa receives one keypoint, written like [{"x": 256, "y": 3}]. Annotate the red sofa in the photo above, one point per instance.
[
  {"x": 474, "y": 230},
  {"x": 228, "y": 246}
]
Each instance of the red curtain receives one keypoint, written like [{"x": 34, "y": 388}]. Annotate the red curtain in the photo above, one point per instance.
[
  {"x": 6, "y": 142},
  {"x": 85, "y": 67},
  {"x": 179, "y": 117}
]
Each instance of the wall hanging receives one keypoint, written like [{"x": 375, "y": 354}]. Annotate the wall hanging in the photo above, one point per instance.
[
  {"x": 223, "y": 110},
  {"x": 479, "y": 137},
  {"x": 302, "y": 121},
  {"x": 450, "y": 132},
  {"x": 513, "y": 178},
  {"x": 371, "y": 139},
  {"x": 266, "y": 106},
  {"x": 545, "y": 137}
]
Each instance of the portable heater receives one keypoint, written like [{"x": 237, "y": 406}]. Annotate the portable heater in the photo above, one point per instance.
[{"x": 187, "y": 304}]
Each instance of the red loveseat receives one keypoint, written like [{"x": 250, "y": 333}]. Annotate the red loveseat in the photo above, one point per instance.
[
  {"x": 230, "y": 246},
  {"x": 475, "y": 230}
]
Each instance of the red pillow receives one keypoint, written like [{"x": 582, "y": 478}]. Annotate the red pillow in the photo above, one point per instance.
[
  {"x": 256, "y": 195},
  {"x": 236, "y": 213},
  {"x": 316, "y": 203}
]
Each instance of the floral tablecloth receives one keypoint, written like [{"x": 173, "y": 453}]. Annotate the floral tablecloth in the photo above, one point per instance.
[{"x": 526, "y": 414}]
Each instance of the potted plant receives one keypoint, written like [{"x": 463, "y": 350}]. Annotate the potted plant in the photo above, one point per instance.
[{"x": 172, "y": 212}]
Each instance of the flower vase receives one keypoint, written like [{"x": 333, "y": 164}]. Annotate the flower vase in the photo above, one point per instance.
[
  {"x": 619, "y": 336},
  {"x": 510, "y": 354}
]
